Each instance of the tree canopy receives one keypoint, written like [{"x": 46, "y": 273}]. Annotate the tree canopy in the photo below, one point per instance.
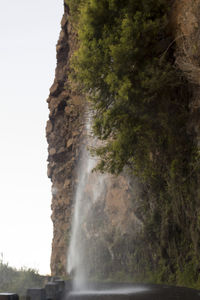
[{"x": 125, "y": 67}]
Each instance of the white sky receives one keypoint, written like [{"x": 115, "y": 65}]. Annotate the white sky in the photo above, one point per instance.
[{"x": 29, "y": 30}]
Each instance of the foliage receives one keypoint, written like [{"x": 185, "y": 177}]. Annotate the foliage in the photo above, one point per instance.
[
  {"x": 122, "y": 66},
  {"x": 140, "y": 101},
  {"x": 18, "y": 281}
]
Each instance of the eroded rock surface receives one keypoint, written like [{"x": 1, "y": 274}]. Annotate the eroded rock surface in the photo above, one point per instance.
[{"x": 65, "y": 132}]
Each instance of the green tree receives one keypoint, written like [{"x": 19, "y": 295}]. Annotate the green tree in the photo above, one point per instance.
[{"x": 130, "y": 79}]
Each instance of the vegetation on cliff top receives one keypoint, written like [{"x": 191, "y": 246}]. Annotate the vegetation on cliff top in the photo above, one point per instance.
[{"x": 125, "y": 65}]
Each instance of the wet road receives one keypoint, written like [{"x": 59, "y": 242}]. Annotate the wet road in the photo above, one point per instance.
[{"x": 135, "y": 292}]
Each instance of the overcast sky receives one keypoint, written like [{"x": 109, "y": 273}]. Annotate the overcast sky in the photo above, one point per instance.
[{"x": 29, "y": 30}]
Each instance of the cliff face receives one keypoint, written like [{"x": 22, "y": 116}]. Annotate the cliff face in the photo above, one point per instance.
[
  {"x": 65, "y": 132},
  {"x": 123, "y": 214}
]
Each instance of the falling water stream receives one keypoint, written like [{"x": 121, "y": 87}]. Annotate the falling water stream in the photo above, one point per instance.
[{"x": 78, "y": 261}]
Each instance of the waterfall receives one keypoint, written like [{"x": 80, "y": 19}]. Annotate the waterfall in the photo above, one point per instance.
[
  {"x": 104, "y": 226},
  {"x": 89, "y": 190}
]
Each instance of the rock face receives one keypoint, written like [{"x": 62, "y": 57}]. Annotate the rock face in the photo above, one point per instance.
[
  {"x": 65, "y": 135},
  {"x": 120, "y": 214}
]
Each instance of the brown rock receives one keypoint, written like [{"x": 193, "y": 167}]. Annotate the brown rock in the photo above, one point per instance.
[
  {"x": 67, "y": 183},
  {"x": 64, "y": 21},
  {"x": 59, "y": 129},
  {"x": 58, "y": 47},
  {"x": 69, "y": 143},
  {"x": 77, "y": 100},
  {"x": 54, "y": 88},
  {"x": 49, "y": 127},
  {"x": 68, "y": 110},
  {"x": 62, "y": 34},
  {"x": 61, "y": 150},
  {"x": 52, "y": 151},
  {"x": 49, "y": 172},
  {"x": 75, "y": 133}
]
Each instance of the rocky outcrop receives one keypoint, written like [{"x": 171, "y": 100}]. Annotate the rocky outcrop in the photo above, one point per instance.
[{"x": 64, "y": 133}]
